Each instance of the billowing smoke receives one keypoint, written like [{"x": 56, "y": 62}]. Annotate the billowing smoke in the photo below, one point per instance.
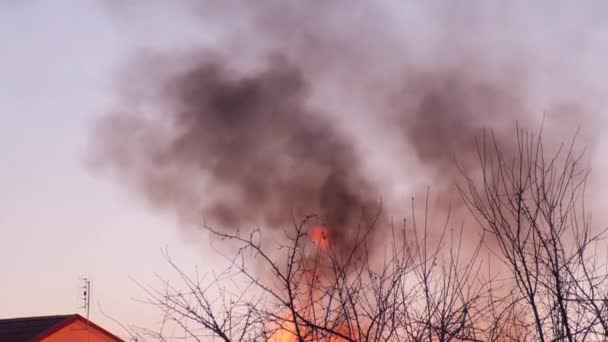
[
  {"x": 271, "y": 122},
  {"x": 267, "y": 155}
]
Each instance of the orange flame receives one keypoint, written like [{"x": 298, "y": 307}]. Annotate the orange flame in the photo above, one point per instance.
[
  {"x": 287, "y": 334},
  {"x": 319, "y": 236},
  {"x": 284, "y": 334},
  {"x": 286, "y": 329}
]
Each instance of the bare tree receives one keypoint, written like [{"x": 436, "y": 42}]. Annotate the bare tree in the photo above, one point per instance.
[
  {"x": 421, "y": 281},
  {"x": 302, "y": 288},
  {"x": 532, "y": 204}
]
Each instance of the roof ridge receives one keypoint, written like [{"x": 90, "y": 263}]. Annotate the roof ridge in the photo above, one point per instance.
[{"x": 36, "y": 317}]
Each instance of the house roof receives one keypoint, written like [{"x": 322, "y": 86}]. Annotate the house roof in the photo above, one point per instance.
[
  {"x": 25, "y": 329},
  {"x": 35, "y": 328}
]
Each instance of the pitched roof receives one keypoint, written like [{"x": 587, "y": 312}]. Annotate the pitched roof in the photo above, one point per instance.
[
  {"x": 25, "y": 329},
  {"x": 36, "y": 328}
]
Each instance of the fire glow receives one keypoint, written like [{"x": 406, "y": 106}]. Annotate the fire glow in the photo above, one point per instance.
[
  {"x": 286, "y": 332},
  {"x": 319, "y": 235}
]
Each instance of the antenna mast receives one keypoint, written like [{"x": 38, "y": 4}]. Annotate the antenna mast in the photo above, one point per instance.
[{"x": 86, "y": 295}]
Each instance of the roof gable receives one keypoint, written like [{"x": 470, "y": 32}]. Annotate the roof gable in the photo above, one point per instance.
[{"x": 71, "y": 319}]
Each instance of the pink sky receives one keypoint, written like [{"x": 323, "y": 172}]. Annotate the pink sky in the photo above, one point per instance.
[{"x": 58, "y": 222}]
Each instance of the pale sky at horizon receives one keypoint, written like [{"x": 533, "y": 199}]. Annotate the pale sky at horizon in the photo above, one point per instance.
[{"x": 58, "y": 221}]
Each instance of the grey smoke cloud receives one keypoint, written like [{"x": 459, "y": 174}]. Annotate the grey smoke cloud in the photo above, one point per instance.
[{"x": 269, "y": 121}]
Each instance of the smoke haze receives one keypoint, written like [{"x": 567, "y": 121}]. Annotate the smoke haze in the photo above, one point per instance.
[{"x": 321, "y": 106}]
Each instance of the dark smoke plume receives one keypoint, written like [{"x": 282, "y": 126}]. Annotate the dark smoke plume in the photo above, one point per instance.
[
  {"x": 243, "y": 139},
  {"x": 266, "y": 153},
  {"x": 442, "y": 116}
]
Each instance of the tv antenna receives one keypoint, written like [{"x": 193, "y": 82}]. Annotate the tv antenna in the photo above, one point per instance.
[{"x": 86, "y": 295}]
